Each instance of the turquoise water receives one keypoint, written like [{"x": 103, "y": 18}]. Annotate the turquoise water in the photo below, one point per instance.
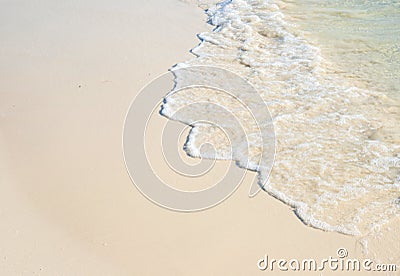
[{"x": 361, "y": 38}]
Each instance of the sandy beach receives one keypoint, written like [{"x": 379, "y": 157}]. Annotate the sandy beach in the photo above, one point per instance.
[{"x": 68, "y": 73}]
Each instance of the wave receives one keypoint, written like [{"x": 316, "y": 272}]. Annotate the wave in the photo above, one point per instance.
[{"x": 337, "y": 157}]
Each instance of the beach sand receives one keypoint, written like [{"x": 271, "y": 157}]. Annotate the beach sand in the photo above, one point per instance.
[{"x": 68, "y": 73}]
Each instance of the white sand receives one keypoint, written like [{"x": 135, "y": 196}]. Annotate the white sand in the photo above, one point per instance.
[{"x": 68, "y": 73}]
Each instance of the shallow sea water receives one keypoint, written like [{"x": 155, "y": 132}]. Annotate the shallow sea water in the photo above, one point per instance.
[
  {"x": 328, "y": 72},
  {"x": 360, "y": 37}
]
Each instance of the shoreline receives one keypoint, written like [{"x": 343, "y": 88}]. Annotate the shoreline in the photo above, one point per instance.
[{"x": 212, "y": 41}]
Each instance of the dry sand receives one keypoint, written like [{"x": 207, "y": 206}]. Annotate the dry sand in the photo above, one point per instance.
[{"x": 68, "y": 72}]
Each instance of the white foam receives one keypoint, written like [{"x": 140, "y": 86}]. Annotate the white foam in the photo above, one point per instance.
[{"x": 337, "y": 161}]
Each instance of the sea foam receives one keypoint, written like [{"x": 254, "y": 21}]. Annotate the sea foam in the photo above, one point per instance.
[{"x": 337, "y": 157}]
